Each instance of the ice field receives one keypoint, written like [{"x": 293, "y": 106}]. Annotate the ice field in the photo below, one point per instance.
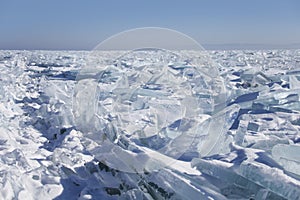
[{"x": 236, "y": 136}]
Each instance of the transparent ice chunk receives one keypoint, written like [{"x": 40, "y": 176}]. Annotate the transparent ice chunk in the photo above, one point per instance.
[
  {"x": 288, "y": 156},
  {"x": 294, "y": 82},
  {"x": 135, "y": 159},
  {"x": 84, "y": 112},
  {"x": 219, "y": 124}
]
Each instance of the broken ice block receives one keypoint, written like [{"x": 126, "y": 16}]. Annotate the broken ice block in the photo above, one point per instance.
[
  {"x": 135, "y": 159},
  {"x": 240, "y": 133},
  {"x": 83, "y": 105},
  {"x": 171, "y": 184},
  {"x": 288, "y": 156},
  {"x": 294, "y": 82},
  {"x": 260, "y": 78},
  {"x": 263, "y": 131},
  {"x": 231, "y": 183},
  {"x": 270, "y": 141},
  {"x": 272, "y": 179},
  {"x": 217, "y": 130}
]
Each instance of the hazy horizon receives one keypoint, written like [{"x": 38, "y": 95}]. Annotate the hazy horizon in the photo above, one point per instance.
[
  {"x": 216, "y": 24},
  {"x": 206, "y": 47}
]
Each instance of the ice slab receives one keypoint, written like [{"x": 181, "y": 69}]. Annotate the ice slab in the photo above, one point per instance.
[
  {"x": 269, "y": 178},
  {"x": 218, "y": 126},
  {"x": 136, "y": 159},
  {"x": 294, "y": 82},
  {"x": 229, "y": 181},
  {"x": 174, "y": 185},
  {"x": 288, "y": 156},
  {"x": 264, "y": 130}
]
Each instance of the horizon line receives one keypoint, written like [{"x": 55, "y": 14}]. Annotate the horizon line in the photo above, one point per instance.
[{"x": 207, "y": 46}]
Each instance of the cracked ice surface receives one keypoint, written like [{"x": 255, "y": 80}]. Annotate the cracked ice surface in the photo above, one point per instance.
[{"x": 253, "y": 155}]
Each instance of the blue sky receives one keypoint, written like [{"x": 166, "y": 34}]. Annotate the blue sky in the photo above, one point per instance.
[{"x": 66, "y": 24}]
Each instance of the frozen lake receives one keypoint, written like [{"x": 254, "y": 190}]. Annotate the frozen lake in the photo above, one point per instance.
[{"x": 242, "y": 145}]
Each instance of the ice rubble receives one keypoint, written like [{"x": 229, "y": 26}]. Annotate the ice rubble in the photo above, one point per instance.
[
  {"x": 255, "y": 155},
  {"x": 149, "y": 98}
]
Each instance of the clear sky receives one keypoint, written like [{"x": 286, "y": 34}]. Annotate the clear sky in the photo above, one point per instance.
[{"x": 82, "y": 24}]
